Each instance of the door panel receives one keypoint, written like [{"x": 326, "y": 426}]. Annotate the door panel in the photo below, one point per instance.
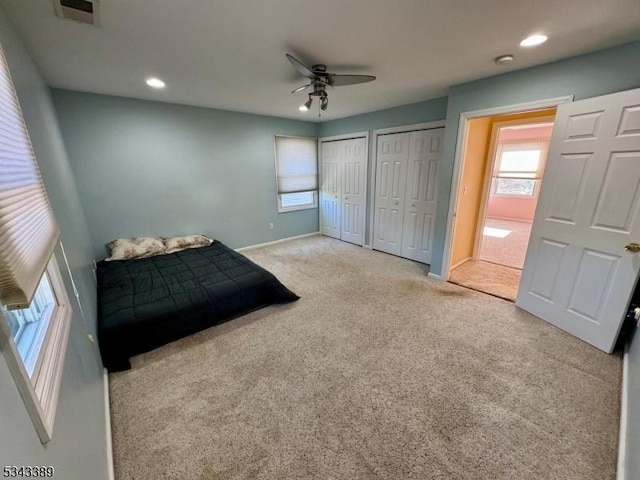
[
  {"x": 343, "y": 189},
  {"x": 577, "y": 274},
  {"x": 330, "y": 191},
  {"x": 568, "y": 188},
  {"x": 421, "y": 192},
  {"x": 391, "y": 179},
  {"x": 353, "y": 161},
  {"x": 618, "y": 199}
]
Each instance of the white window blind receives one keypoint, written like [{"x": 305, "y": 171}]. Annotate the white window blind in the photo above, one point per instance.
[
  {"x": 296, "y": 164},
  {"x": 28, "y": 230}
]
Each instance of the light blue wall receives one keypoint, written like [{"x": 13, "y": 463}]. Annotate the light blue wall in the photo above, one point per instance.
[
  {"x": 149, "y": 168},
  {"x": 585, "y": 76},
  {"x": 427, "y": 111},
  {"x": 78, "y": 448}
]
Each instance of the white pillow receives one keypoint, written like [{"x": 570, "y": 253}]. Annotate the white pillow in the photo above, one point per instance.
[
  {"x": 135, "y": 248},
  {"x": 177, "y": 244}
]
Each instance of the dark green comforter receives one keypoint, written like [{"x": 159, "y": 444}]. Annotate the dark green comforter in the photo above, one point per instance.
[{"x": 146, "y": 303}]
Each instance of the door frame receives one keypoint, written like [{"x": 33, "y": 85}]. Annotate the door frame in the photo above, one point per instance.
[
  {"x": 458, "y": 160},
  {"x": 374, "y": 160},
  {"x": 347, "y": 136},
  {"x": 490, "y": 167}
]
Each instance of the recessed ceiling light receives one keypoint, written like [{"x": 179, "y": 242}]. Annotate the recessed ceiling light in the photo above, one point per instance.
[
  {"x": 533, "y": 40},
  {"x": 503, "y": 59},
  {"x": 303, "y": 108},
  {"x": 155, "y": 82}
]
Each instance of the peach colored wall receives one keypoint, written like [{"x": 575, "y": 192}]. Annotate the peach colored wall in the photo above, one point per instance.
[
  {"x": 472, "y": 180},
  {"x": 522, "y": 209},
  {"x": 526, "y": 134},
  {"x": 470, "y": 189}
]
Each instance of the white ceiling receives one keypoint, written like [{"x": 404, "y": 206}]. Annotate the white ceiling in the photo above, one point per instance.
[{"x": 229, "y": 54}]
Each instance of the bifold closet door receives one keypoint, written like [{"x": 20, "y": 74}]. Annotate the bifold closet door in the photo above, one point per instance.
[
  {"x": 389, "y": 198},
  {"x": 343, "y": 189},
  {"x": 353, "y": 170},
  {"x": 425, "y": 149},
  {"x": 330, "y": 191}
]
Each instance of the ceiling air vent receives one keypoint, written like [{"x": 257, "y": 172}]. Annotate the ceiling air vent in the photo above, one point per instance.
[{"x": 84, "y": 11}]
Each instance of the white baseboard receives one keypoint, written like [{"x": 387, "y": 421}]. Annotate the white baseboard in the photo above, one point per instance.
[
  {"x": 435, "y": 276},
  {"x": 275, "y": 242},
  {"x": 107, "y": 421},
  {"x": 624, "y": 417}
]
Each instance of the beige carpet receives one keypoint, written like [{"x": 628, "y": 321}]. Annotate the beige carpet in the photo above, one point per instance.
[
  {"x": 490, "y": 278},
  {"x": 509, "y": 250},
  {"x": 376, "y": 373}
]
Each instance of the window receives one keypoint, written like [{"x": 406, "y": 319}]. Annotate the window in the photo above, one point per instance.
[
  {"x": 34, "y": 307},
  {"x": 296, "y": 173},
  {"x": 28, "y": 325},
  {"x": 519, "y": 168}
]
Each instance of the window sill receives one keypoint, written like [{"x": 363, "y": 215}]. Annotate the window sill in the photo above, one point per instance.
[{"x": 294, "y": 209}]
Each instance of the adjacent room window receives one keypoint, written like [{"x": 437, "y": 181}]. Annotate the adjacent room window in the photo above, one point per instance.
[
  {"x": 34, "y": 308},
  {"x": 296, "y": 172},
  {"x": 519, "y": 168}
]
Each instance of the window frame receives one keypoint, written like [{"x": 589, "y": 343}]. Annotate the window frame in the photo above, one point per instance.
[
  {"x": 542, "y": 146},
  {"x": 306, "y": 206},
  {"x": 40, "y": 392}
]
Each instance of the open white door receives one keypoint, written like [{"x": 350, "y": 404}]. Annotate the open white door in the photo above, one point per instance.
[{"x": 577, "y": 274}]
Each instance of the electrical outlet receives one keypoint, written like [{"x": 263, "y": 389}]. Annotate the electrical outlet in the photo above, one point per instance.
[{"x": 271, "y": 226}]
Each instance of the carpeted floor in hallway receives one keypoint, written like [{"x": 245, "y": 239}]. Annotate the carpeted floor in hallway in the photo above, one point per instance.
[
  {"x": 505, "y": 242},
  {"x": 377, "y": 372},
  {"x": 497, "y": 280}
]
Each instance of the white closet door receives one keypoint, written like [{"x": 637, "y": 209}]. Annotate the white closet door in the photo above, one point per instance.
[
  {"x": 391, "y": 179},
  {"x": 330, "y": 191},
  {"x": 425, "y": 149},
  {"x": 353, "y": 160}
]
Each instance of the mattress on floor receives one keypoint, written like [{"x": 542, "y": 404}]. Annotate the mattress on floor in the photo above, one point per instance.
[{"x": 143, "y": 304}]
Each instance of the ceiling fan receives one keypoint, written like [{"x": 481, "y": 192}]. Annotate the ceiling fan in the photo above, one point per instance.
[{"x": 320, "y": 80}]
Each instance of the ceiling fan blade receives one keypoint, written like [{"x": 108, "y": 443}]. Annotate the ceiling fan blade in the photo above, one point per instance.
[
  {"x": 301, "y": 67},
  {"x": 342, "y": 80},
  {"x": 299, "y": 89}
]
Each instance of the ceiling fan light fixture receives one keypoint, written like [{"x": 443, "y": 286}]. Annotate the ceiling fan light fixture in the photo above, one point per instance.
[
  {"x": 321, "y": 79},
  {"x": 306, "y": 106}
]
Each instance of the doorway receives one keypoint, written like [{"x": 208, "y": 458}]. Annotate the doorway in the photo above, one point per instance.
[{"x": 503, "y": 165}]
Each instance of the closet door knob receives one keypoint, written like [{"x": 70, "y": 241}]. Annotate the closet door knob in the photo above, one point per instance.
[
  {"x": 413, "y": 205},
  {"x": 396, "y": 203},
  {"x": 336, "y": 196}
]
